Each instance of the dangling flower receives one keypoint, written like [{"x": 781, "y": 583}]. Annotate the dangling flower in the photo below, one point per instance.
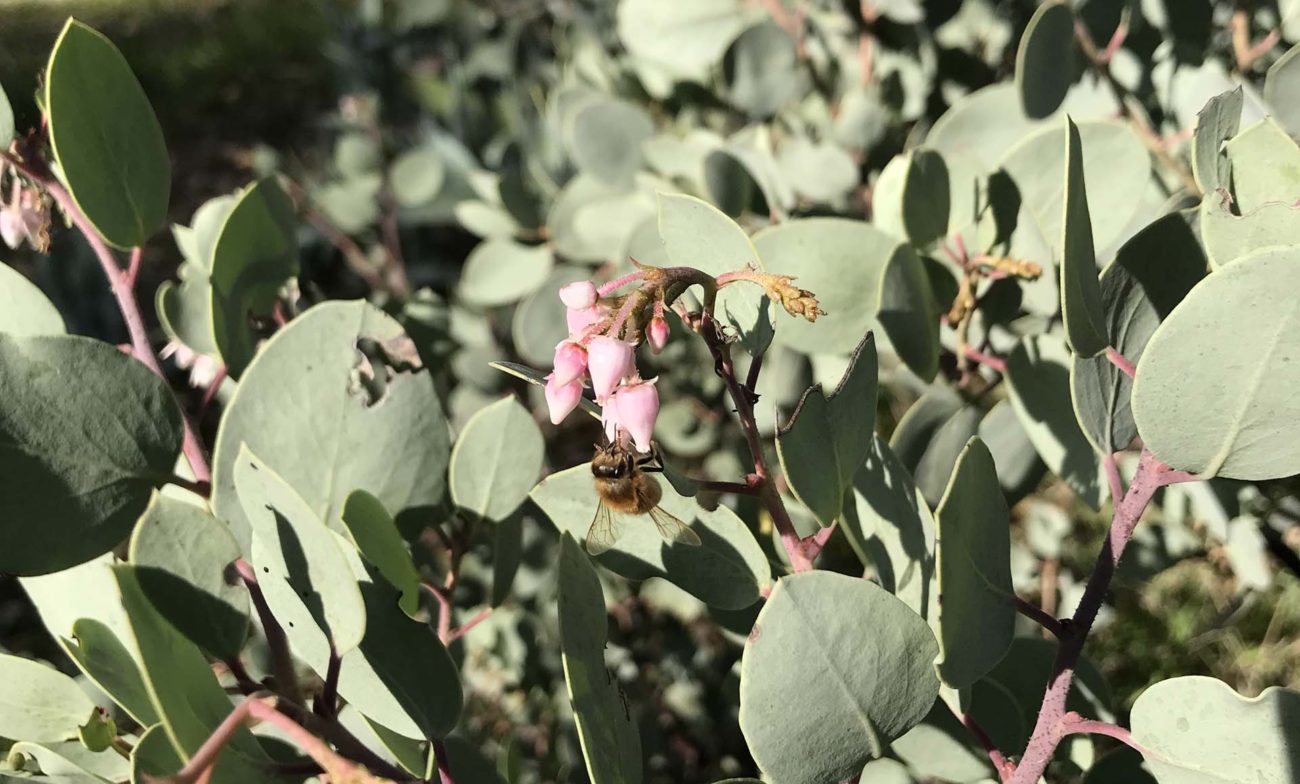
[
  {"x": 203, "y": 368},
  {"x": 580, "y": 295},
  {"x": 570, "y": 362},
  {"x": 636, "y": 405},
  {"x": 609, "y": 421},
  {"x": 561, "y": 399},
  {"x": 609, "y": 360},
  {"x": 12, "y": 227},
  {"x": 656, "y": 333}
]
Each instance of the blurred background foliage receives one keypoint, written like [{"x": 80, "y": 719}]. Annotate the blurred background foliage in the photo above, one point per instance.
[{"x": 456, "y": 120}]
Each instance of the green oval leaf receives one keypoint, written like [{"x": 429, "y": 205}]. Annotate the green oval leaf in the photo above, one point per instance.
[
  {"x": 606, "y": 138},
  {"x": 417, "y": 176},
  {"x": 1217, "y": 122},
  {"x": 1220, "y": 402},
  {"x": 181, "y": 553},
  {"x": 909, "y": 313},
  {"x": 826, "y": 724},
  {"x": 255, "y": 252},
  {"x": 843, "y": 262},
  {"x": 184, "y": 691},
  {"x": 828, "y": 437},
  {"x": 686, "y": 38},
  {"x": 501, "y": 271},
  {"x": 1045, "y": 60},
  {"x": 925, "y": 198},
  {"x": 699, "y": 235},
  {"x": 24, "y": 308},
  {"x": 78, "y": 461},
  {"x": 73, "y": 760},
  {"x": 40, "y": 703},
  {"x": 1196, "y": 729},
  {"x": 727, "y": 570},
  {"x": 765, "y": 71},
  {"x": 978, "y": 613},
  {"x": 106, "y": 662},
  {"x": 153, "y": 756},
  {"x": 301, "y": 569},
  {"x": 610, "y": 743},
  {"x": 1085, "y": 323},
  {"x": 934, "y": 469},
  {"x": 387, "y": 436},
  {"x": 105, "y": 137},
  {"x": 1282, "y": 89},
  {"x": 496, "y": 460},
  {"x": 1265, "y": 166},
  {"x": 376, "y": 536}
]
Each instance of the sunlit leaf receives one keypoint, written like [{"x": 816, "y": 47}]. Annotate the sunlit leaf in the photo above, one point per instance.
[
  {"x": 496, "y": 460},
  {"x": 40, "y": 703},
  {"x": 24, "y": 309},
  {"x": 375, "y": 534}
]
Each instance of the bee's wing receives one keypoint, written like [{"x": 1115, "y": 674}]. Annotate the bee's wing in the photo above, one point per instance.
[
  {"x": 604, "y": 531},
  {"x": 673, "y": 529}
]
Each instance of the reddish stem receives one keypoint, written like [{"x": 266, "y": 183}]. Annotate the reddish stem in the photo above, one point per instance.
[
  {"x": 276, "y": 640},
  {"x": 198, "y": 488},
  {"x": 987, "y": 360},
  {"x": 133, "y": 266},
  {"x": 1118, "y": 360},
  {"x": 444, "y": 764},
  {"x": 1151, "y": 476},
  {"x": 463, "y": 629},
  {"x": 126, "y": 302},
  {"x": 1040, "y": 616},
  {"x": 1074, "y": 724},
  {"x": 1001, "y": 764},
  {"x": 618, "y": 283}
]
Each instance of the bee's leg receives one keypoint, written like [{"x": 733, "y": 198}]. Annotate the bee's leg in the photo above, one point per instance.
[{"x": 653, "y": 462}]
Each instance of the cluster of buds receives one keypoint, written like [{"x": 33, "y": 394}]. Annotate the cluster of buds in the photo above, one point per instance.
[
  {"x": 604, "y": 331},
  {"x": 25, "y": 219},
  {"x": 629, "y": 404}
]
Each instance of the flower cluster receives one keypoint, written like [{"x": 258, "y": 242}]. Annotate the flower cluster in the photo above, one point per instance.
[{"x": 629, "y": 404}]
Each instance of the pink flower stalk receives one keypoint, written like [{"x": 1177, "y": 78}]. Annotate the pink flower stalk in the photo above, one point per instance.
[
  {"x": 656, "y": 334},
  {"x": 636, "y": 406},
  {"x": 609, "y": 360},
  {"x": 570, "y": 362},
  {"x": 561, "y": 399},
  {"x": 578, "y": 320},
  {"x": 579, "y": 296}
]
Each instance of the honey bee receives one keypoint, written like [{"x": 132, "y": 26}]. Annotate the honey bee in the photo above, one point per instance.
[{"x": 625, "y": 487}]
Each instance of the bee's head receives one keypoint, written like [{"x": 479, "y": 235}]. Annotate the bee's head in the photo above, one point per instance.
[{"x": 610, "y": 462}]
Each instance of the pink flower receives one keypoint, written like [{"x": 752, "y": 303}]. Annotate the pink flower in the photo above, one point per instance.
[
  {"x": 609, "y": 421},
  {"x": 561, "y": 399},
  {"x": 13, "y": 230},
  {"x": 578, "y": 320},
  {"x": 579, "y": 296},
  {"x": 636, "y": 405},
  {"x": 570, "y": 362},
  {"x": 609, "y": 360},
  {"x": 657, "y": 334}
]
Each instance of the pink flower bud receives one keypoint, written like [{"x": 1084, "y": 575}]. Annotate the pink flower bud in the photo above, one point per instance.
[
  {"x": 609, "y": 360},
  {"x": 561, "y": 399},
  {"x": 637, "y": 407},
  {"x": 656, "y": 334},
  {"x": 579, "y": 296},
  {"x": 570, "y": 362},
  {"x": 579, "y": 320}
]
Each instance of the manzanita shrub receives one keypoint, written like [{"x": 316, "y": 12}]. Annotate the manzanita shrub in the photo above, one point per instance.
[{"x": 744, "y": 238}]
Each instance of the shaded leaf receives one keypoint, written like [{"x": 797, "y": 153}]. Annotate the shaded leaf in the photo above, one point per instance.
[
  {"x": 925, "y": 198},
  {"x": 255, "y": 253},
  {"x": 105, "y": 137},
  {"x": 78, "y": 462},
  {"x": 109, "y": 665},
  {"x": 1045, "y": 60},
  {"x": 1081, "y": 309},
  {"x": 375, "y": 534},
  {"x": 605, "y": 141},
  {"x": 826, "y": 724},
  {"x": 153, "y": 756},
  {"x": 765, "y": 74},
  {"x": 936, "y": 465},
  {"x": 975, "y": 595},
  {"x": 1215, "y": 124},
  {"x": 610, "y": 742},
  {"x": 827, "y": 437}
]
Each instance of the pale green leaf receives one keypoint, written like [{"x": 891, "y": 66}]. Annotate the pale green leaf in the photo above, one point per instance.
[
  {"x": 1215, "y": 124},
  {"x": 687, "y": 38},
  {"x": 605, "y": 140},
  {"x": 496, "y": 460},
  {"x": 372, "y": 417},
  {"x": 826, "y": 724},
  {"x": 417, "y": 176},
  {"x": 610, "y": 742},
  {"x": 39, "y": 703},
  {"x": 153, "y": 756},
  {"x": 1045, "y": 60},
  {"x": 765, "y": 71},
  {"x": 501, "y": 271},
  {"x": 1081, "y": 309},
  {"x": 24, "y": 308},
  {"x": 1197, "y": 730},
  {"x": 1217, "y": 401},
  {"x": 1282, "y": 89},
  {"x": 375, "y": 534}
]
